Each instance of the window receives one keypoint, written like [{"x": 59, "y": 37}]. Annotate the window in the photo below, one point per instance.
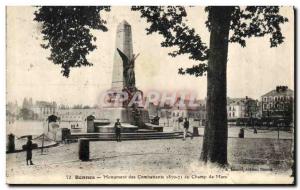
[
  {"x": 264, "y": 106},
  {"x": 232, "y": 114}
]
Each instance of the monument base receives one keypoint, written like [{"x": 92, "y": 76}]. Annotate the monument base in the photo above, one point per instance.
[
  {"x": 124, "y": 114},
  {"x": 105, "y": 119},
  {"x": 126, "y": 128}
]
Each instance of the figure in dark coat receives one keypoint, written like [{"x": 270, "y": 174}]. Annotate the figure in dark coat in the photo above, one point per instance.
[
  {"x": 118, "y": 128},
  {"x": 29, "y": 150},
  {"x": 186, "y": 125}
]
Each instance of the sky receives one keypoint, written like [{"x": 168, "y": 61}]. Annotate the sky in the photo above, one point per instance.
[{"x": 251, "y": 71}]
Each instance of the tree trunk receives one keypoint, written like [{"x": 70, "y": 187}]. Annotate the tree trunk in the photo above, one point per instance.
[{"x": 215, "y": 134}]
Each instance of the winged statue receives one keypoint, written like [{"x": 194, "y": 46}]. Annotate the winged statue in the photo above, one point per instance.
[{"x": 128, "y": 69}]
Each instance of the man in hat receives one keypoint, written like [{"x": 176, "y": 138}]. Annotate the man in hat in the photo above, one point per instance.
[
  {"x": 186, "y": 125},
  {"x": 29, "y": 150},
  {"x": 118, "y": 128}
]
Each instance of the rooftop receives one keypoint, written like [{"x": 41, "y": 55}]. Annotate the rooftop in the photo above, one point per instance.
[
  {"x": 287, "y": 92},
  {"x": 237, "y": 101}
]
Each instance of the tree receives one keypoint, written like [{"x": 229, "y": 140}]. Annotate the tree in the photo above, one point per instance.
[
  {"x": 26, "y": 114},
  {"x": 66, "y": 31},
  {"x": 77, "y": 106},
  {"x": 246, "y": 22},
  {"x": 86, "y": 107},
  {"x": 25, "y": 103}
]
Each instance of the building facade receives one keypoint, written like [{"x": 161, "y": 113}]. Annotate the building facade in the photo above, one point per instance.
[
  {"x": 242, "y": 108},
  {"x": 278, "y": 102},
  {"x": 173, "y": 115},
  {"x": 196, "y": 114},
  {"x": 43, "y": 109}
]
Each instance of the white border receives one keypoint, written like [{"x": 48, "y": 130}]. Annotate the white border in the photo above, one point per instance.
[{"x": 149, "y": 2}]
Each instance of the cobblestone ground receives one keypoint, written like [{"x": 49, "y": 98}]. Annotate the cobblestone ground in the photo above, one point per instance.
[{"x": 154, "y": 157}]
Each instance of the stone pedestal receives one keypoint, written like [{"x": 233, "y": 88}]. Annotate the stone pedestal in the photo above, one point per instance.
[
  {"x": 10, "y": 143},
  {"x": 90, "y": 124},
  {"x": 84, "y": 149},
  {"x": 124, "y": 114},
  {"x": 195, "y": 131},
  {"x": 241, "y": 133}
]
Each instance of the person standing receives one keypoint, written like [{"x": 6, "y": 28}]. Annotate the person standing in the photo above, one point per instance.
[
  {"x": 29, "y": 150},
  {"x": 186, "y": 125},
  {"x": 118, "y": 128},
  {"x": 255, "y": 131}
]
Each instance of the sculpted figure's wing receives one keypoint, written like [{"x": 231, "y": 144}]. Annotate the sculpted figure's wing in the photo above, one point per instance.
[{"x": 123, "y": 56}]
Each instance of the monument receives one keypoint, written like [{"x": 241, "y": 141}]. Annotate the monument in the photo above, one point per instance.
[
  {"x": 123, "y": 46},
  {"x": 123, "y": 82},
  {"x": 132, "y": 116},
  {"x": 123, "y": 78}
]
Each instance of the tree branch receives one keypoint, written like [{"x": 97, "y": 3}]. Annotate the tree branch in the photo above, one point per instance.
[
  {"x": 66, "y": 32},
  {"x": 168, "y": 21}
]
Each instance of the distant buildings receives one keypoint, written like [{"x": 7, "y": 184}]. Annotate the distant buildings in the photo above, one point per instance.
[
  {"x": 275, "y": 107},
  {"x": 199, "y": 112},
  {"x": 278, "y": 102},
  {"x": 43, "y": 109},
  {"x": 77, "y": 114},
  {"x": 12, "y": 111},
  {"x": 39, "y": 110},
  {"x": 242, "y": 108},
  {"x": 173, "y": 115}
]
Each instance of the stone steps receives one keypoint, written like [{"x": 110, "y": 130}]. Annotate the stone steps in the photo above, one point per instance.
[
  {"x": 126, "y": 136},
  {"x": 145, "y": 131},
  {"x": 141, "y": 138}
]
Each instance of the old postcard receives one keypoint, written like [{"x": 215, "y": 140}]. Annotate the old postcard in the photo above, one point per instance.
[{"x": 150, "y": 95}]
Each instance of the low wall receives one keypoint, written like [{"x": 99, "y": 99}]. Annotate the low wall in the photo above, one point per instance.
[{"x": 126, "y": 128}]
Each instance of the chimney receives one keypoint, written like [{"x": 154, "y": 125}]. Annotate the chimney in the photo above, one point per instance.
[{"x": 281, "y": 88}]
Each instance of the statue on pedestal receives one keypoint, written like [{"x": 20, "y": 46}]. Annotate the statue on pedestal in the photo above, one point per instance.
[{"x": 128, "y": 70}]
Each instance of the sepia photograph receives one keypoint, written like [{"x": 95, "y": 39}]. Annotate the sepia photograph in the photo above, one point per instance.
[{"x": 150, "y": 95}]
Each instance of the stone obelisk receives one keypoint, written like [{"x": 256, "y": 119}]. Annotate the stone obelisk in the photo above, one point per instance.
[
  {"x": 123, "y": 55},
  {"x": 123, "y": 43}
]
